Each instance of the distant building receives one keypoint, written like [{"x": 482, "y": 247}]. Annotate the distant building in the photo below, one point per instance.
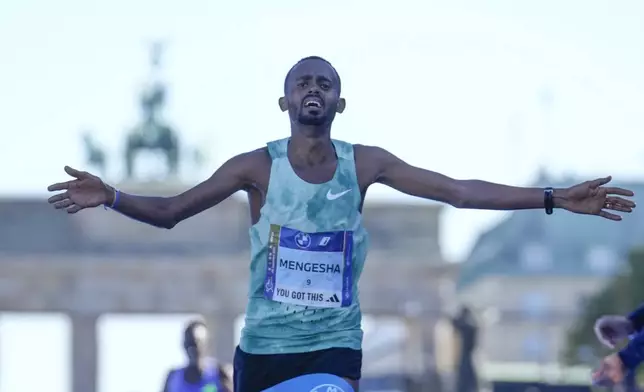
[{"x": 528, "y": 276}]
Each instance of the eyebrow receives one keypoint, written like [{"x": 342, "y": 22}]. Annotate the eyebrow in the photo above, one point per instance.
[{"x": 309, "y": 77}]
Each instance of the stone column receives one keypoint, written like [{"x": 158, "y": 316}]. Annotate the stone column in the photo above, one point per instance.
[
  {"x": 222, "y": 332},
  {"x": 414, "y": 346},
  {"x": 84, "y": 352}
]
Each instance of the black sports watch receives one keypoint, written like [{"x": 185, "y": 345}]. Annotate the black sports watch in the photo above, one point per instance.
[{"x": 548, "y": 202}]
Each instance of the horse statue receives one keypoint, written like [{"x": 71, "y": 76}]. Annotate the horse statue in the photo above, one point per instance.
[{"x": 153, "y": 133}]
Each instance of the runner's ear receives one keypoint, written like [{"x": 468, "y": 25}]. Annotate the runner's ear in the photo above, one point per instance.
[
  {"x": 283, "y": 104},
  {"x": 342, "y": 104}
]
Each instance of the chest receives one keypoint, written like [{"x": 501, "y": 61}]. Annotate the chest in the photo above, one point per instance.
[
  {"x": 317, "y": 174},
  {"x": 306, "y": 191}
]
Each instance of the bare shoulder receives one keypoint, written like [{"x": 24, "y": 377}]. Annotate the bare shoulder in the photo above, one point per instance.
[
  {"x": 370, "y": 154},
  {"x": 371, "y": 161},
  {"x": 251, "y": 165},
  {"x": 253, "y": 157}
]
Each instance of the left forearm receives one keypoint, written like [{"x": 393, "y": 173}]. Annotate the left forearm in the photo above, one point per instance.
[
  {"x": 473, "y": 194},
  {"x": 484, "y": 195}
]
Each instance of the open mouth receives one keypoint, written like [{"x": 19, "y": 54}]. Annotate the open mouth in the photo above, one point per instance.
[{"x": 313, "y": 103}]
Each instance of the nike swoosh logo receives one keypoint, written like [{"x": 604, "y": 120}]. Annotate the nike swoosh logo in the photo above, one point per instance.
[{"x": 333, "y": 196}]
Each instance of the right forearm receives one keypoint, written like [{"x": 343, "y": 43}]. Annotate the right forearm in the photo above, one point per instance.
[
  {"x": 166, "y": 212},
  {"x": 155, "y": 211}
]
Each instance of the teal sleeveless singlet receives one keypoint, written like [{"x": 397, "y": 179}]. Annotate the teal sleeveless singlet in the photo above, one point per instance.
[{"x": 307, "y": 253}]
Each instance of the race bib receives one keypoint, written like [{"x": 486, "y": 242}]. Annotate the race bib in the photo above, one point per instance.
[{"x": 311, "y": 269}]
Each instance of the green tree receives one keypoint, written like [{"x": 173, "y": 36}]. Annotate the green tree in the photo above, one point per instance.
[{"x": 622, "y": 293}]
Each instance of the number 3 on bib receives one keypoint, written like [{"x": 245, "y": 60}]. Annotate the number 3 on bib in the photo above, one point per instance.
[{"x": 311, "y": 269}]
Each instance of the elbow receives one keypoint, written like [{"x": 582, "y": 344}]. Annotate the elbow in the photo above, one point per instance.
[
  {"x": 168, "y": 224},
  {"x": 459, "y": 195},
  {"x": 170, "y": 214},
  {"x": 166, "y": 221}
]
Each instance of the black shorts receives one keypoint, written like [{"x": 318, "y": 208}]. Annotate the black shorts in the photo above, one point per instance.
[{"x": 256, "y": 372}]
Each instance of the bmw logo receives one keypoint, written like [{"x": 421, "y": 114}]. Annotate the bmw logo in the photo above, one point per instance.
[{"x": 302, "y": 240}]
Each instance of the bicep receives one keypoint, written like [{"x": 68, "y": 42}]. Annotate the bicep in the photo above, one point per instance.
[
  {"x": 231, "y": 177},
  {"x": 415, "y": 181}
]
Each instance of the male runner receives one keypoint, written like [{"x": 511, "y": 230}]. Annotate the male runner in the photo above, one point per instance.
[
  {"x": 308, "y": 245},
  {"x": 201, "y": 374}
]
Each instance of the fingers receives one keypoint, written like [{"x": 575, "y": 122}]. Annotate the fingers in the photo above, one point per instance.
[
  {"x": 81, "y": 175},
  {"x": 617, "y": 207},
  {"x": 620, "y": 201},
  {"x": 63, "y": 204},
  {"x": 609, "y": 216},
  {"x": 614, "y": 368},
  {"x": 58, "y": 197},
  {"x": 619, "y": 191},
  {"x": 609, "y": 371},
  {"x": 600, "y": 181},
  {"x": 62, "y": 185},
  {"x": 74, "y": 209},
  {"x": 599, "y": 375},
  {"x": 617, "y": 204},
  {"x": 62, "y": 201}
]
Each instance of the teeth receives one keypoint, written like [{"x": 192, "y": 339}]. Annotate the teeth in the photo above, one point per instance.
[{"x": 313, "y": 103}]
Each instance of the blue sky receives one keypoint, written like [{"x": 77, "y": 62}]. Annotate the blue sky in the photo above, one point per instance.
[{"x": 457, "y": 87}]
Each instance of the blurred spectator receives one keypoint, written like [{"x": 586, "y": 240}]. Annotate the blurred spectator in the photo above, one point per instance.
[
  {"x": 202, "y": 373},
  {"x": 467, "y": 329}
]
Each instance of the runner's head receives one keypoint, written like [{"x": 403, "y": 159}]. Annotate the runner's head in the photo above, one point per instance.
[
  {"x": 312, "y": 92},
  {"x": 195, "y": 341}
]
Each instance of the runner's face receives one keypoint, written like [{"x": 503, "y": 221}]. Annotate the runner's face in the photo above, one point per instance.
[
  {"x": 196, "y": 343},
  {"x": 313, "y": 93}
]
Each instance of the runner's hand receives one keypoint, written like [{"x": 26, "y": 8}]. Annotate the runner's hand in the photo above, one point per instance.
[
  {"x": 592, "y": 198},
  {"x": 611, "y": 329},
  {"x": 84, "y": 191},
  {"x": 611, "y": 371}
]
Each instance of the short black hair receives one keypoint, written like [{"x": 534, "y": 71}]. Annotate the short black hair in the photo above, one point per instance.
[
  {"x": 337, "y": 75},
  {"x": 192, "y": 325}
]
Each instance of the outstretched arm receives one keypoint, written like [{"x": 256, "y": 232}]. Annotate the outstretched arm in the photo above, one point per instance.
[
  {"x": 89, "y": 191},
  {"x": 586, "y": 198},
  {"x": 166, "y": 212}
]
